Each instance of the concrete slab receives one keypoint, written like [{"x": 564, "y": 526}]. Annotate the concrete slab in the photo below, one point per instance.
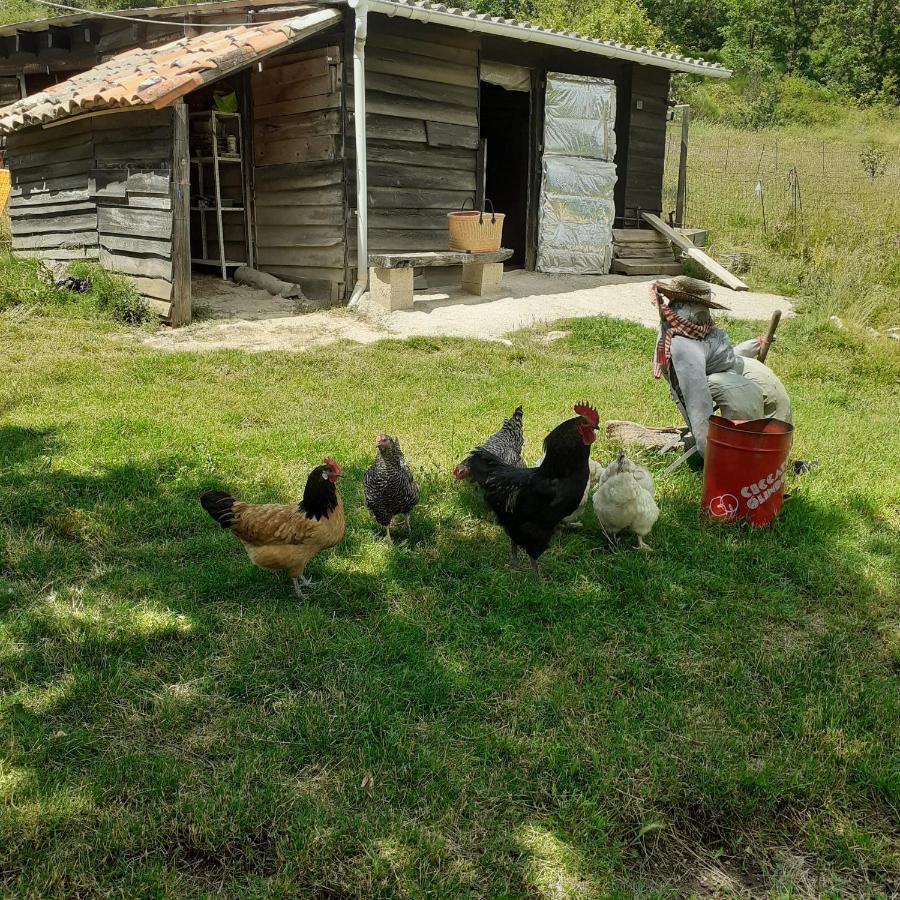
[{"x": 530, "y": 298}]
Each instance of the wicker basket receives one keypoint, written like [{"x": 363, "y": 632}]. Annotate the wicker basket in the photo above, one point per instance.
[{"x": 473, "y": 231}]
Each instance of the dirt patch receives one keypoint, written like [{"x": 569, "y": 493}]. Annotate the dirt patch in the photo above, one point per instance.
[{"x": 231, "y": 316}]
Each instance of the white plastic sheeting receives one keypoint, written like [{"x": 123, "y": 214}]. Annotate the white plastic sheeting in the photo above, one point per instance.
[
  {"x": 576, "y": 206},
  {"x": 576, "y": 215},
  {"x": 506, "y": 75},
  {"x": 580, "y": 116}
]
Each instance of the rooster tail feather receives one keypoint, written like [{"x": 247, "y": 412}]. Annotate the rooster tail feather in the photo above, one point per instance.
[{"x": 220, "y": 506}]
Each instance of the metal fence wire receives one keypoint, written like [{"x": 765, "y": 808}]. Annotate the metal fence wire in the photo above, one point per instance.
[{"x": 760, "y": 180}]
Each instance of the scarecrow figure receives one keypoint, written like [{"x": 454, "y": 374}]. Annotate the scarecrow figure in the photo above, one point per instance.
[{"x": 705, "y": 373}]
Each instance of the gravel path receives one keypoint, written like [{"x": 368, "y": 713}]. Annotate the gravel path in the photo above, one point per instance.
[{"x": 245, "y": 319}]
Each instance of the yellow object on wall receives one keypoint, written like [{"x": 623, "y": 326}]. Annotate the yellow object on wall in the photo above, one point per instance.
[{"x": 4, "y": 188}]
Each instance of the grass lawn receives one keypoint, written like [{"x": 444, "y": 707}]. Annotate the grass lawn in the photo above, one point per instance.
[{"x": 429, "y": 722}]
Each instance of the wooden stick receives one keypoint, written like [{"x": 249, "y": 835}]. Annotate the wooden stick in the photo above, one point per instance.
[{"x": 770, "y": 335}]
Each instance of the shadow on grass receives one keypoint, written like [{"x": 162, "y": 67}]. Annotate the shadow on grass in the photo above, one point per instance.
[{"x": 428, "y": 717}]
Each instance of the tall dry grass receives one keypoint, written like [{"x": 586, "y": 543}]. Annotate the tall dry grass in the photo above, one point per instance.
[{"x": 816, "y": 211}]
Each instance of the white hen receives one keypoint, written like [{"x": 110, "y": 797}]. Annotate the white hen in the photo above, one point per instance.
[{"x": 624, "y": 499}]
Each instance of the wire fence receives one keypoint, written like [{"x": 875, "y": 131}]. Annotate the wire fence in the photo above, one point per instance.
[{"x": 759, "y": 181}]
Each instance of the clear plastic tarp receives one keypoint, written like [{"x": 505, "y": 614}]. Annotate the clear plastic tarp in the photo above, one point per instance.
[
  {"x": 579, "y": 176},
  {"x": 576, "y": 215},
  {"x": 580, "y": 116}
]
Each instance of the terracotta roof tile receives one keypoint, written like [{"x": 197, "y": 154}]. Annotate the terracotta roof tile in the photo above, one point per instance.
[{"x": 158, "y": 76}]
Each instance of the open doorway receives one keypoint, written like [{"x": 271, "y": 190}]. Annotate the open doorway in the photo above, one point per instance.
[
  {"x": 505, "y": 131},
  {"x": 220, "y": 222}
]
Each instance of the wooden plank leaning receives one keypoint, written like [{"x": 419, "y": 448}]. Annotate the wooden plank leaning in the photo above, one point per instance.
[{"x": 695, "y": 253}]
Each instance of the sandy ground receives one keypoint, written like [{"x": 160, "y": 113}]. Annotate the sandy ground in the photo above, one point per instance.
[{"x": 236, "y": 317}]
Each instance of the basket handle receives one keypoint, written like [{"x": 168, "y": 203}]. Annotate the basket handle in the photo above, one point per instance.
[{"x": 481, "y": 213}]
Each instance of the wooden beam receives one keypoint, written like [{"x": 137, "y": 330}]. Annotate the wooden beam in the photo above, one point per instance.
[
  {"x": 694, "y": 253},
  {"x": 180, "y": 313},
  {"x": 682, "y": 166}
]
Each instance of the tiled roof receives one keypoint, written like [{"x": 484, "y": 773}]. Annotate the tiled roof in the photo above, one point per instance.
[
  {"x": 472, "y": 21},
  {"x": 158, "y": 76}
]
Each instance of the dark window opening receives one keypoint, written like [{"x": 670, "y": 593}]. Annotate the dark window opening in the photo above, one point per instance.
[{"x": 505, "y": 130}]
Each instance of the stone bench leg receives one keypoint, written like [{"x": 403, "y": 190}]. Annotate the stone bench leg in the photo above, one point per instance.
[
  {"x": 482, "y": 278},
  {"x": 391, "y": 288}
]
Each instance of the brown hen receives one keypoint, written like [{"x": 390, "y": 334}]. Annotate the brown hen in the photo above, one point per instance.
[{"x": 287, "y": 537}]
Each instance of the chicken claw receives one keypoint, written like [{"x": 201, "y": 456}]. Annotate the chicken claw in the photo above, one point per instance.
[
  {"x": 642, "y": 546},
  {"x": 300, "y": 582}
]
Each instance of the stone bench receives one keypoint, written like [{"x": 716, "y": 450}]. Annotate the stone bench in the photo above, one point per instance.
[{"x": 391, "y": 274}]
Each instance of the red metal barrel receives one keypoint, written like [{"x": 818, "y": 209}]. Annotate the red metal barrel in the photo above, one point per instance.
[{"x": 744, "y": 469}]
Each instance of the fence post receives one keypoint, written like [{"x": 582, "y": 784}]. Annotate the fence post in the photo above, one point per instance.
[{"x": 682, "y": 166}]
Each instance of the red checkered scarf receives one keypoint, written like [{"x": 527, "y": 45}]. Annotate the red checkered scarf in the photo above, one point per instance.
[{"x": 677, "y": 326}]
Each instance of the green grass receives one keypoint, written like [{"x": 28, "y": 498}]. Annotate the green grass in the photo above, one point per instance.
[
  {"x": 832, "y": 241},
  {"x": 429, "y": 722}
]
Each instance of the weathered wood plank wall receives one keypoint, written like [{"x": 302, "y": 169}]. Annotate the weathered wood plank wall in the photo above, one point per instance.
[
  {"x": 422, "y": 125},
  {"x": 132, "y": 187},
  {"x": 98, "y": 189},
  {"x": 298, "y": 168},
  {"x": 646, "y": 146},
  {"x": 52, "y": 211}
]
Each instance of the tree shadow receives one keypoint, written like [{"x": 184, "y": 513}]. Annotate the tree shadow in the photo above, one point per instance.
[{"x": 419, "y": 692}]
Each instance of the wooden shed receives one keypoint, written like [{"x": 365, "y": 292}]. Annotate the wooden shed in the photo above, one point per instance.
[{"x": 165, "y": 140}]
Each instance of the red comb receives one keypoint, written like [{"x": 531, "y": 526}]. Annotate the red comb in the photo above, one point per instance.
[
  {"x": 585, "y": 409},
  {"x": 332, "y": 464}
]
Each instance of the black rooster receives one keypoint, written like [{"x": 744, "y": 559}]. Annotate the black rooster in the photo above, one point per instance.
[
  {"x": 506, "y": 443},
  {"x": 388, "y": 485},
  {"x": 530, "y": 503}
]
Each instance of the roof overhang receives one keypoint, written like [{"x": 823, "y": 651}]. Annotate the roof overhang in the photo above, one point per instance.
[
  {"x": 417, "y": 10},
  {"x": 469, "y": 20},
  {"x": 157, "y": 77}
]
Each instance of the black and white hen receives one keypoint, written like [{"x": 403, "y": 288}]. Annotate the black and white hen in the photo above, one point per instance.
[
  {"x": 388, "y": 485},
  {"x": 506, "y": 443}
]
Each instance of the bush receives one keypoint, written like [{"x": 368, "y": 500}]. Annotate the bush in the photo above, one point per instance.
[{"x": 112, "y": 295}]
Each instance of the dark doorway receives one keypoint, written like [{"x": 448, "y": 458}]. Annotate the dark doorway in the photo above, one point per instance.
[{"x": 504, "y": 128}]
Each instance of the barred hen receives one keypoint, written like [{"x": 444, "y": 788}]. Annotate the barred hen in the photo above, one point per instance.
[
  {"x": 388, "y": 485},
  {"x": 506, "y": 444},
  {"x": 530, "y": 503},
  {"x": 285, "y": 537}
]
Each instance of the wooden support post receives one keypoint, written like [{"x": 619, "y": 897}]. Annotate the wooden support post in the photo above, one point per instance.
[
  {"x": 682, "y": 166},
  {"x": 391, "y": 289},
  {"x": 180, "y": 313},
  {"x": 482, "y": 278}
]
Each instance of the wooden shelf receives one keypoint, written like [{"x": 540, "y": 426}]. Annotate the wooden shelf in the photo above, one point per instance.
[
  {"x": 225, "y": 209},
  {"x": 218, "y": 262},
  {"x": 221, "y": 159}
]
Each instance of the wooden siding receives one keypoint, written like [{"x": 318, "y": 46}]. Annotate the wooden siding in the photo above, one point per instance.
[
  {"x": 98, "y": 189},
  {"x": 422, "y": 126},
  {"x": 52, "y": 212},
  {"x": 646, "y": 142},
  {"x": 298, "y": 169}
]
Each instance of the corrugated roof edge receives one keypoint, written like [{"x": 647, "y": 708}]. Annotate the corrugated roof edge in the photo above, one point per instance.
[
  {"x": 469, "y": 20},
  {"x": 447, "y": 15}
]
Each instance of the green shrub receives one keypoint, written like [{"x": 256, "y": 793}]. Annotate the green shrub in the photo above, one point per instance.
[{"x": 112, "y": 295}]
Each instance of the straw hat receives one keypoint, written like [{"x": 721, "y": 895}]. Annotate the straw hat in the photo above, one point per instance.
[{"x": 688, "y": 290}]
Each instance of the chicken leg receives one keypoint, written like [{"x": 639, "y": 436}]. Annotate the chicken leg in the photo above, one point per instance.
[
  {"x": 300, "y": 582},
  {"x": 642, "y": 546}
]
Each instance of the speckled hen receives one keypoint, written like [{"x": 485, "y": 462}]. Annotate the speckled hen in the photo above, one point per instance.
[{"x": 388, "y": 485}]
